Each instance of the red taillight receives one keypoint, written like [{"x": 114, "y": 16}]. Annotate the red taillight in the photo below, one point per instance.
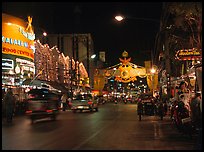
[
  {"x": 90, "y": 102},
  {"x": 49, "y": 110},
  {"x": 28, "y": 111},
  {"x": 31, "y": 96}
]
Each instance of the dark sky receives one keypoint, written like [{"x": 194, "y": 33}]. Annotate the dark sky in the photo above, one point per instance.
[{"x": 135, "y": 36}]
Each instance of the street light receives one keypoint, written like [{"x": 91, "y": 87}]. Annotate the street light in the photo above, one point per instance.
[
  {"x": 40, "y": 34},
  {"x": 120, "y": 18},
  {"x": 153, "y": 70},
  {"x": 93, "y": 56}
]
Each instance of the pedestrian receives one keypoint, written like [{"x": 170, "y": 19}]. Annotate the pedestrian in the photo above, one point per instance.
[
  {"x": 140, "y": 109},
  {"x": 9, "y": 102},
  {"x": 69, "y": 100},
  {"x": 186, "y": 92},
  {"x": 195, "y": 110},
  {"x": 64, "y": 101}
]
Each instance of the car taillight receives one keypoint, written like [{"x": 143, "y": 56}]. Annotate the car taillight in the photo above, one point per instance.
[
  {"x": 28, "y": 111},
  {"x": 49, "y": 110},
  {"x": 31, "y": 96},
  {"x": 90, "y": 102}
]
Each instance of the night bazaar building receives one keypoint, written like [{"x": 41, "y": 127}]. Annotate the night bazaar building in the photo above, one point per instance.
[
  {"x": 51, "y": 65},
  {"x": 17, "y": 50}
]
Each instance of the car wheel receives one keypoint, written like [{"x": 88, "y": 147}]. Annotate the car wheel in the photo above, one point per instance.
[{"x": 96, "y": 109}]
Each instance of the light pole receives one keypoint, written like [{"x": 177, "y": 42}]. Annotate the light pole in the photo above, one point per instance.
[
  {"x": 153, "y": 70},
  {"x": 41, "y": 34}
]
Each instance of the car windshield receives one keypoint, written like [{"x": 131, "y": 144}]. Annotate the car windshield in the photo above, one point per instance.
[{"x": 41, "y": 93}]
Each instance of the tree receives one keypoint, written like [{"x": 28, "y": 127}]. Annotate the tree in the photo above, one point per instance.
[{"x": 188, "y": 18}]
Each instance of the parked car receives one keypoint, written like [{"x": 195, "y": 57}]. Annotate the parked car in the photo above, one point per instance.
[
  {"x": 42, "y": 103},
  {"x": 84, "y": 102},
  {"x": 148, "y": 103}
]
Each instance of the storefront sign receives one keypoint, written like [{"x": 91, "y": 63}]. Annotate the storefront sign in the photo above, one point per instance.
[
  {"x": 7, "y": 64},
  {"x": 17, "y": 52},
  {"x": 30, "y": 36},
  {"x": 16, "y": 38},
  {"x": 188, "y": 54}
]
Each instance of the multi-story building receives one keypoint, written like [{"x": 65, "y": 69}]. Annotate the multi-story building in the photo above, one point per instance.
[
  {"x": 76, "y": 46},
  {"x": 17, "y": 50},
  {"x": 53, "y": 66}
]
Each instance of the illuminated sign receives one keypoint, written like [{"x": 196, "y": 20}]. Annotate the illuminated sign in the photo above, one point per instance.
[
  {"x": 14, "y": 41},
  {"x": 24, "y": 53},
  {"x": 16, "y": 38},
  {"x": 188, "y": 54},
  {"x": 7, "y": 64},
  {"x": 30, "y": 36}
]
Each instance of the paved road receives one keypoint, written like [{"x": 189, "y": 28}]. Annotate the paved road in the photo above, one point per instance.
[{"x": 113, "y": 127}]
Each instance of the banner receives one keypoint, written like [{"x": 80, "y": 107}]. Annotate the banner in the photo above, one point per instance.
[
  {"x": 102, "y": 56},
  {"x": 99, "y": 79},
  {"x": 147, "y": 66},
  {"x": 153, "y": 84}
]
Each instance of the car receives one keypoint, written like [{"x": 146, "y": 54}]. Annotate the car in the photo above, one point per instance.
[
  {"x": 83, "y": 102},
  {"x": 147, "y": 100},
  {"x": 42, "y": 103}
]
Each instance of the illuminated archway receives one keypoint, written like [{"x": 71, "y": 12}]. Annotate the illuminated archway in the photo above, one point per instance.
[{"x": 125, "y": 71}]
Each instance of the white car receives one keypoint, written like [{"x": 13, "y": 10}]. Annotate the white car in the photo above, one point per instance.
[{"x": 83, "y": 102}]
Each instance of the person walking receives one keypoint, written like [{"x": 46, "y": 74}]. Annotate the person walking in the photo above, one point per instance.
[
  {"x": 9, "y": 102},
  {"x": 64, "y": 101},
  {"x": 140, "y": 109},
  {"x": 195, "y": 110}
]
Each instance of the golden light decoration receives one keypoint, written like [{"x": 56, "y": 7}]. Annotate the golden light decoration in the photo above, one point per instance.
[{"x": 126, "y": 71}]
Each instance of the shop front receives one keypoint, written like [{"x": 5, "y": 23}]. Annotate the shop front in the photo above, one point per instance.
[{"x": 17, "y": 51}]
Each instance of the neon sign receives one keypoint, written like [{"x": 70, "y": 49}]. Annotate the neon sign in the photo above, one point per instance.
[
  {"x": 14, "y": 41},
  {"x": 188, "y": 54},
  {"x": 29, "y": 36},
  {"x": 7, "y": 64}
]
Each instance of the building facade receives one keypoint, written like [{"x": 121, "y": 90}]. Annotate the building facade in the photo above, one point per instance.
[
  {"x": 17, "y": 50},
  {"x": 77, "y": 46},
  {"x": 51, "y": 65}
]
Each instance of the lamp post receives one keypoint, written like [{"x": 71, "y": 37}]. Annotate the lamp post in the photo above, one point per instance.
[
  {"x": 41, "y": 34},
  {"x": 153, "y": 70},
  {"x": 120, "y": 18}
]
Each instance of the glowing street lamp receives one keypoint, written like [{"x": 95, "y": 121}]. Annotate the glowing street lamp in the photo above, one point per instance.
[
  {"x": 119, "y": 18},
  {"x": 93, "y": 56},
  {"x": 44, "y": 34},
  {"x": 153, "y": 70}
]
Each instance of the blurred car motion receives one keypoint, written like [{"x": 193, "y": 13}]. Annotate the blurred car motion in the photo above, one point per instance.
[{"x": 42, "y": 103}]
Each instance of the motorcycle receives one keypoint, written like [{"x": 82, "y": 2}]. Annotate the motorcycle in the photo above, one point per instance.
[{"x": 181, "y": 119}]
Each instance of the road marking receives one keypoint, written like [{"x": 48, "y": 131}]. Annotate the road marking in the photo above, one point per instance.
[{"x": 88, "y": 139}]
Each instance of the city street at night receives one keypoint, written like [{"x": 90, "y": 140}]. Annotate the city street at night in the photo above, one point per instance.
[
  {"x": 113, "y": 127},
  {"x": 102, "y": 75}
]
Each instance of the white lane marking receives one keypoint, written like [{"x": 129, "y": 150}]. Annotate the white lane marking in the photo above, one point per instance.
[{"x": 85, "y": 141}]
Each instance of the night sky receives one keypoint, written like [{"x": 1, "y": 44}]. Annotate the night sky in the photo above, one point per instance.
[{"x": 135, "y": 36}]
